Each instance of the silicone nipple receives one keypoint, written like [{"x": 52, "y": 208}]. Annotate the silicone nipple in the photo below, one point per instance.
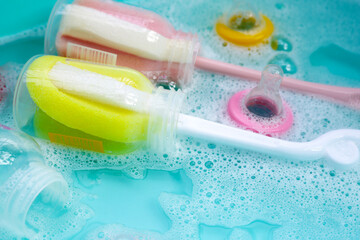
[
  {"x": 264, "y": 100},
  {"x": 261, "y": 109},
  {"x": 243, "y": 25},
  {"x": 242, "y": 18}
]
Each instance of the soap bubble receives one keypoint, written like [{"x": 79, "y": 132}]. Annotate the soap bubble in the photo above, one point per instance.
[
  {"x": 285, "y": 62},
  {"x": 280, "y": 43}
]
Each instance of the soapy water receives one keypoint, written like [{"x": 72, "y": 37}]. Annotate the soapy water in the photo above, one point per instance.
[
  {"x": 230, "y": 188},
  {"x": 3, "y": 88}
]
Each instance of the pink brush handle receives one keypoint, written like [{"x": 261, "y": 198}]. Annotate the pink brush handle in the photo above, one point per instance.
[{"x": 349, "y": 96}]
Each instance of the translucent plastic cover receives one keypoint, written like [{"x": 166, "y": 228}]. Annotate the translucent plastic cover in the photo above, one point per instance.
[
  {"x": 23, "y": 177},
  {"x": 114, "y": 33},
  {"x": 94, "y": 107}
]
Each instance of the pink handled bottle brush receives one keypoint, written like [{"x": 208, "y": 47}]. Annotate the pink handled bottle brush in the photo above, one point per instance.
[
  {"x": 348, "y": 96},
  {"x": 114, "y": 33}
]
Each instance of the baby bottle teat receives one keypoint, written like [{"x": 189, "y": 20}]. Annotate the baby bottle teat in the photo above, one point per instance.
[
  {"x": 261, "y": 109},
  {"x": 244, "y": 25},
  {"x": 264, "y": 100},
  {"x": 242, "y": 17}
]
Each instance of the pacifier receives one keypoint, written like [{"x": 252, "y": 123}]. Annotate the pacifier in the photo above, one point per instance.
[
  {"x": 243, "y": 26},
  {"x": 261, "y": 109}
]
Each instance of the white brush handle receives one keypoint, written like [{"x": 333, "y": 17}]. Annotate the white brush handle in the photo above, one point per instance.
[
  {"x": 99, "y": 88},
  {"x": 339, "y": 146}
]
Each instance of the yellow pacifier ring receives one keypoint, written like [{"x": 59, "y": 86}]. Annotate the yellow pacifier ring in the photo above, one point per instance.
[{"x": 246, "y": 38}]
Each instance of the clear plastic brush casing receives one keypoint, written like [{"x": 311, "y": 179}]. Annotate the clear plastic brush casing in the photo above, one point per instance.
[
  {"x": 94, "y": 107},
  {"x": 24, "y": 177},
  {"x": 114, "y": 33}
]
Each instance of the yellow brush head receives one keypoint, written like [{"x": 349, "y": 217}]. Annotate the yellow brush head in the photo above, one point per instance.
[{"x": 93, "y": 118}]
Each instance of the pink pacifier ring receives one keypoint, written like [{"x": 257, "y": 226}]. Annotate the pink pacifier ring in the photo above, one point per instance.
[{"x": 242, "y": 116}]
